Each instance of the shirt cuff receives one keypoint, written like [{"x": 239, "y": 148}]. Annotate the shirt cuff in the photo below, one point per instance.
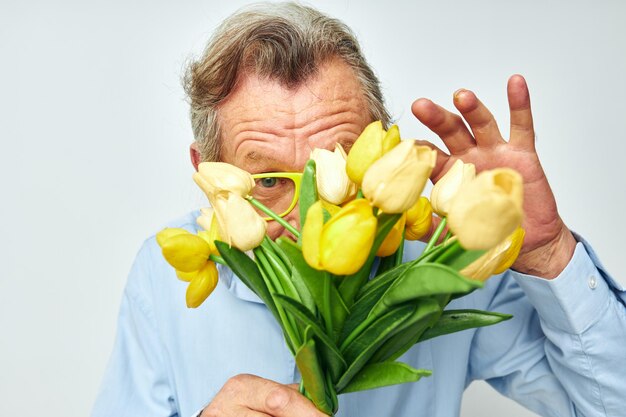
[{"x": 573, "y": 301}]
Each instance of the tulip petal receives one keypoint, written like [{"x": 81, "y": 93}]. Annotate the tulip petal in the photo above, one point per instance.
[
  {"x": 395, "y": 181},
  {"x": 418, "y": 219},
  {"x": 186, "y": 252},
  {"x": 311, "y": 235},
  {"x": 347, "y": 238},
  {"x": 168, "y": 232},
  {"x": 202, "y": 285},
  {"x": 488, "y": 209},
  {"x": 393, "y": 240},
  {"x": 448, "y": 186},
  {"x": 367, "y": 149},
  {"x": 219, "y": 177},
  {"x": 333, "y": 184}
]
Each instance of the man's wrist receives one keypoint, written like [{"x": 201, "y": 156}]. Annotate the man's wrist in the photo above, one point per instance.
[{"x": 549, "y": 260}]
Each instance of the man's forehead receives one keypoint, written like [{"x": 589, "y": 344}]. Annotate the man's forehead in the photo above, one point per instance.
[{"x": 267, "y": 126}]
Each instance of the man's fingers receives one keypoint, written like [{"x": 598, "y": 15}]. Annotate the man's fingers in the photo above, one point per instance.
[
  {"x": 276, "y": 399},
  {"x": 448, "y": 126},
  {"x": 479, "y": 118},
  {"x": 522, "y": 130},
  {"x": 250, "y": 395}
]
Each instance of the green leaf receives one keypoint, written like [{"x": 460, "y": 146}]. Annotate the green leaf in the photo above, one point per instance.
[
  {"x": 313, "y": 375},
  {"x": 332, "y": 356},
  {"x": 359, "y": 351},
  {"x": 423, "y": 280},
  {"x": 452, "y": 321},
  {"x": 405, "y": 336},
  {"x": 456, "y": 257},
  {"x": 308, "y": 190},
  {"x": 249, "y": 273},
  {"x": 313, "y": 280},
  {"x": 351, "y": 284},
  {"x": 384, "y": 374},
  {"x": 368, "y": 297}
]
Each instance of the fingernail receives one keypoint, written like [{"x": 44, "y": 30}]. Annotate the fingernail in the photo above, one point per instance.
[{"x": 458, "y": 92}]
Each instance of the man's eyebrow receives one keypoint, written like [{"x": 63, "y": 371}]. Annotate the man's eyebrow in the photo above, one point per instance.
[{"x": 260, "y": 161}]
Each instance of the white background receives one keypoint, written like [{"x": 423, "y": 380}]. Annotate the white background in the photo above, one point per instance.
[{"x": 94, "y": 134}]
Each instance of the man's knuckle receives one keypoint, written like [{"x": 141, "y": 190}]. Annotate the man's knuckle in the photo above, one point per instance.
[
  {"x": 278, "y": 398},
  {"x": 237, "y": 383}
]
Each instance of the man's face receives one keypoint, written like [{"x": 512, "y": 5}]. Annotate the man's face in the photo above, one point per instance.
[{"x": 268, "y": 128}]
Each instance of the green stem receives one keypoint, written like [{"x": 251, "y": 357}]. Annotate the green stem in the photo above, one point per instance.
[
  {"x": 328, "y": 319},
  {"x": 400, "y": 251},
  {"x": 273, "y": 283},
  {"x": 256, "y": 203},
  {"x": 217, "y": 259},
  {"x": 435, "y": 237},
  {"x": 448, "y": 236}
]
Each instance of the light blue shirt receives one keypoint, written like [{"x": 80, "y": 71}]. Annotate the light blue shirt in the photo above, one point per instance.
[{"x": 563, "y": 353}]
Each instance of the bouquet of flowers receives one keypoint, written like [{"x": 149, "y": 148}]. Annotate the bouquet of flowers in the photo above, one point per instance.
[{"x": 347, "y": 303}]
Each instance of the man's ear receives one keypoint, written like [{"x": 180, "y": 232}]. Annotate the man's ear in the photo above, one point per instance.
[{"x": 194, "y": 154}]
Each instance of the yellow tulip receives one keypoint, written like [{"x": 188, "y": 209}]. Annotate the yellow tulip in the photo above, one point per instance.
[
  {"x": 168, "y": 232},
  {"x": 208, "y": 221},
  {"x": 332, "y": 209},
  {"x": 342, "y": 245},
  {"x": 488, "y": 209},
  {"x": 449, "y": 185},
  {"x": 418, "y": 219},
  {"x": 393, "y": 239},
  {"x": 201, "y": 285},
  {"x": 312, "y": 235},
  {"x": 333, "y": 183},
  {"x": 396, "y": 180},
  {"x": 186, "y": 252},
  {"x": 218, "y": 177},
  {"x": 498, "y": 259},
  {"x": 372, "y": 144},
  {"x": 239, "y": 224}
]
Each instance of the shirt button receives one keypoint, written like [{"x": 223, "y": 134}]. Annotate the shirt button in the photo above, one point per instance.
[{"x": 593, "y": 282}]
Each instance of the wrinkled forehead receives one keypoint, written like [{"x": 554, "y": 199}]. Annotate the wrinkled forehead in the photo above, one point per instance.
[{"x": 266, "y": 125}]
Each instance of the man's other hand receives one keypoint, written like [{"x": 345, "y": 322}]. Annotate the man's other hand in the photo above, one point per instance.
[{"x": 252, "y": 396}]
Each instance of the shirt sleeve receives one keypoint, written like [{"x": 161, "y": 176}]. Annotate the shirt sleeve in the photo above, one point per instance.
[
  {"x": 136, "y": 381},
  {"x": 563, "y": 354}
]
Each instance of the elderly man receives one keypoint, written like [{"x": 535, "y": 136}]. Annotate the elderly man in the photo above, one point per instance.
[{"x": 275, "y": 82}]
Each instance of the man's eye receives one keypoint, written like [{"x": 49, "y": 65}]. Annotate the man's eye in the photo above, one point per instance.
[{"x": 268, "y": 182}]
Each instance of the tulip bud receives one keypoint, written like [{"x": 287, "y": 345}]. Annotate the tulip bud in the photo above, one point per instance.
[
  {"x": 168, "y": 232},
  {"x": 186, "y": 252},
  {"x": 239, "y": 224},
  {"x": 202, "y": 285},
  {"x": 449, "y": 185},
  {"x": 498, "y": 259},
  {"x": 488, "y": 209},
  {"x": 342, "y": 245},
  {"x": 333, "y": 183},
  {"x": 418, "y": 219},
  {"x": 218, "y": 177},
  {"x": 396, "y": 180},
  {"x": 372, "y": 143},
  {"x": 393, "y": 239}
]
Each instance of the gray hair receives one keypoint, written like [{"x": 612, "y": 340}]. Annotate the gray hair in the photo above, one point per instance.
[{"x": 286, "y": 42}]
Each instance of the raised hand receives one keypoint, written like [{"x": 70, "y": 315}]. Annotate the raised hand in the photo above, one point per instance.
[{"x": 548, "y": 245}]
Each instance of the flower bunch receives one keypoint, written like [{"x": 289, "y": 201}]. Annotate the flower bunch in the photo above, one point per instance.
[{"x": 347, "y": 303}]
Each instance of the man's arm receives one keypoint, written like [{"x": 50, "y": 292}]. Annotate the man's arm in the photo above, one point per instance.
[
  {"x": 558, "y": 356},
  {"x": 135, "y": 382}
]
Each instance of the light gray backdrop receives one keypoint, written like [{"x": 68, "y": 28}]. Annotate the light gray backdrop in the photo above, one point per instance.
[{"x": 94, "y": 134}]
